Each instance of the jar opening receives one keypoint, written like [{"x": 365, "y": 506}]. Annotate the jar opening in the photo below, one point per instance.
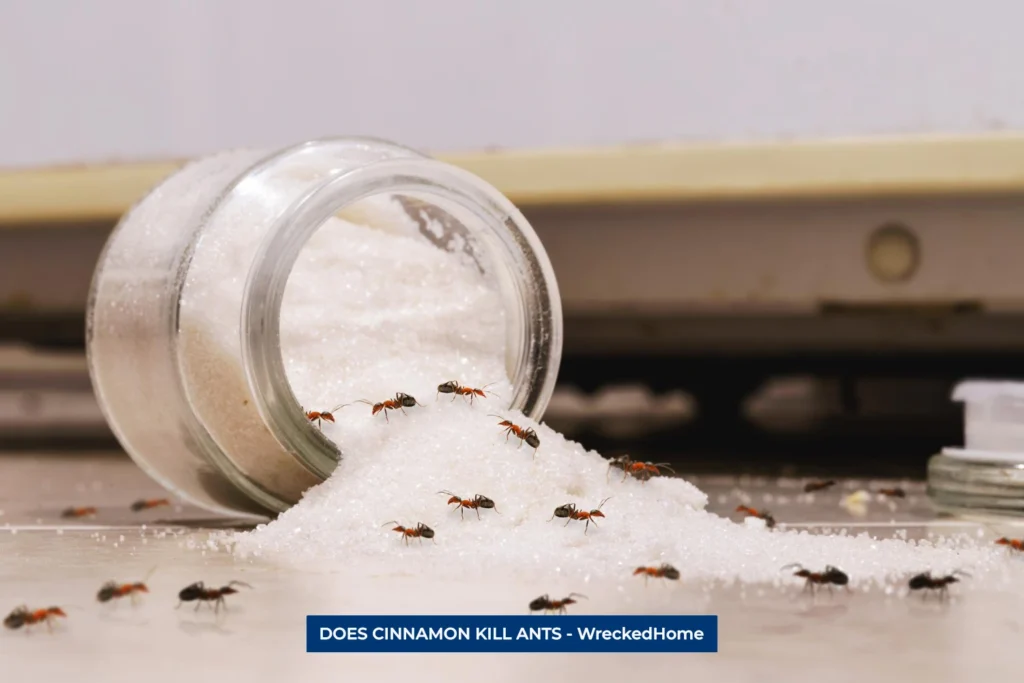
[{"x": 438, "y": 206}]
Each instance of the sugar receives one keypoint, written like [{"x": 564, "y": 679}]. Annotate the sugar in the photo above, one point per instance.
[{"x": 369, "y": 313}]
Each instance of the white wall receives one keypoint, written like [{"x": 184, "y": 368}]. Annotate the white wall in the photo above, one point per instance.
[{"x": 115, "y": 79}]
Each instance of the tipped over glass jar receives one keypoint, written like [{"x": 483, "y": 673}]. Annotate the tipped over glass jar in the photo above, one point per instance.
[{"x": 184, "y": 320}]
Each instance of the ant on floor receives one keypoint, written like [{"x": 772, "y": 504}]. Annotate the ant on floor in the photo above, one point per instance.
[
  {"x": 546, "y": 604},
  {"x": 200, "y": 594},
  {"x": 926, "y": 582}
]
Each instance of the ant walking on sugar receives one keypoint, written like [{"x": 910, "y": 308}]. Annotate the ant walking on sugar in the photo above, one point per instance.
[
  {"x": 319, "y": 416},
  {"x": 456, "y": 389},
  {"x": 569, "y": 512},
  {"x": 1012, "y": 544},
  {"x": 526, "y": 435},
  {"x": 474, "y": 503},
  {"x": 420, "y": 531},
  {"x": 399, "y": 402},
  {"x": 769, "y": 521},
  {"x": 641, "y": 471}
]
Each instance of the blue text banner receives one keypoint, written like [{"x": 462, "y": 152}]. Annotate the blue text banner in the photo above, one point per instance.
[{"x": 512, "y": 633}]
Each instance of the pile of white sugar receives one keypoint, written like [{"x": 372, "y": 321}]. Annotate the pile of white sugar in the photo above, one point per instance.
[{"x": 369, "y": 313}]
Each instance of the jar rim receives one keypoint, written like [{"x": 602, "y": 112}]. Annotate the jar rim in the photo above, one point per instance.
[{"x": 270, "y": 269}]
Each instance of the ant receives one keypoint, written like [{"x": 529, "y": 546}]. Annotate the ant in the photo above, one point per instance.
[
  {"x": 812, "y": 486},
  {"x": 896, "y": 492},
  {"x": 421, "y": 531},
  {"x": 318, "y": 416},
  {"x": 399, "y": 402},
  {"x": 760, "y": 514},
  {"x": 474, "y": 503},
  {"x": 548, "y": 605},
  {"x": 457, "y": 390},
  {"x": 941, "y": 584},
  {"x": 570, "y": 511},
  {"x": 665, "y": 571},
  {"x": 23, "y": 616},
  {"x": 199, "y": 594},
  {"x": 525, "y": 435},
  {"x": 644, "y": 470},
  {"x": 140, "y": 505},
  {"x": 1011, "y": 543},
  {"x": 829, "y": 577},
  {"x": 72, "y": 513},
  {"x": 112, "y": 589}
]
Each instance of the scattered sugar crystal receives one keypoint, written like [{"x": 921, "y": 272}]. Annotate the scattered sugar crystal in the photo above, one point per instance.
[{"x": 370, "y": 313}]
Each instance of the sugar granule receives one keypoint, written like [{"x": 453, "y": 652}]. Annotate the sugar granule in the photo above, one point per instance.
[{"x": 371, "y": 313}]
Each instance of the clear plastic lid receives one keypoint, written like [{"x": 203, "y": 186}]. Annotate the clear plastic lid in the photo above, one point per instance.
[{"x": 993, "y": 416}]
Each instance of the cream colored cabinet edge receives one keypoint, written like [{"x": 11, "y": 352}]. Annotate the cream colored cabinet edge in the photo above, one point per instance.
[{"x": 845, "y": 168}]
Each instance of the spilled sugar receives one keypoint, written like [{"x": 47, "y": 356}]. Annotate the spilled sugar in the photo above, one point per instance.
[{"x": 404, "y": 316}]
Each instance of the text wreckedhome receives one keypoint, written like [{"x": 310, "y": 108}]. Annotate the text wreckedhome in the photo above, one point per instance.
[{"x": 501, "y": 633}]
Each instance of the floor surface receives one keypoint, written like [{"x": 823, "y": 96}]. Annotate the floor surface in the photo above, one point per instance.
[{"x": 765, "y": 636}]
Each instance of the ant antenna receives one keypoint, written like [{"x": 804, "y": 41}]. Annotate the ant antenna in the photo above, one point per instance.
[
  {"x": 391, "y": 522},
  {"x": 448, "y": 493},
  {"x": 239, "y": 583},
  {"x": 578, "y": 595},
  {"x": 603, "y": 502},
  {"x": 959, "y": 572},
  {"x": 794, "y": 565}
]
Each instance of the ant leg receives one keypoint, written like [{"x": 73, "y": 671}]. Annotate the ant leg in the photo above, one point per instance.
[
  {"x": 198, "y": 605},
  {"x": 477, "y": 512},
  {"x": 386, "y": 416},
  {"x": 567, "y": 521}
]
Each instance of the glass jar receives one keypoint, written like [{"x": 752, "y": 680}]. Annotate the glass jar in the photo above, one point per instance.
[
  {"x": 228, "y": 434},
  {"x": 986, "y": 476}
]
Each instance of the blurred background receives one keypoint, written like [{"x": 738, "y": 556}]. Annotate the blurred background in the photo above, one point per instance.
[{"x": 827, "y": 246}]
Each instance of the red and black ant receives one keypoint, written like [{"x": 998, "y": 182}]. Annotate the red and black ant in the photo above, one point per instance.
[
  {"x": 23, "y": 616},
  {"x": 399, "y": 402},
  {"x": 457, "y": 390},
  {"x": 318, "y": 416},
  {"x": 525, "y": 435},
  {"x": 927, "y": 582},
  {"x": 665, "y": 571},
  {"x": 140, "y": 505},
  {"x": 639, "y": 470},
  {"x": 474, "y": 503},
  {"x": 546, "y": 604},
  {"x": 896, "y": 492},
  {"x": 812, "y": 486},
  {"x": 569, "y": 512},
  {"x": 200, "y": 594},
  {"x": 112, "y": 589},
  {"x": 831, "y": 576},
  {"x": 74, "y": 513},
  {"x": 420, "y": 531},
  {"x": 1011, "y": 543},
  {"x": 769, "y": 521}
]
